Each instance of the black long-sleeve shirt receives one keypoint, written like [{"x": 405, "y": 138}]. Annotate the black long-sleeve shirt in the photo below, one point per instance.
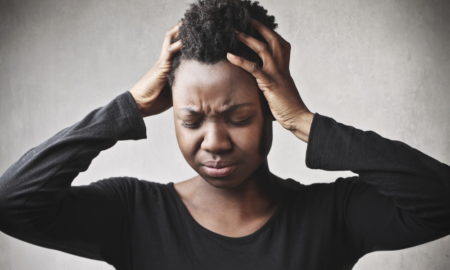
[{"x": 400, "y": 198}]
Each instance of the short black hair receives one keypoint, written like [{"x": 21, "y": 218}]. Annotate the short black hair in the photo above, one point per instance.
[{"x": 207, "y": 31}]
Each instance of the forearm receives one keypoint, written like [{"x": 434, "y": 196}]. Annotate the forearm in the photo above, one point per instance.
[
  {"x": 49, "y": 168},
  {"x": 416, "y": 182}
]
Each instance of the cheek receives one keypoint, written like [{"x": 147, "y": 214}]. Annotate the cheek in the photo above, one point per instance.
[
  {"x": 247, "y": 139},
  {"x": 187, "y": 142}
]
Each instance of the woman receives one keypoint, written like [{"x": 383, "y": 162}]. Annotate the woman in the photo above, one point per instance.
[{"x": 226, "y": 88}]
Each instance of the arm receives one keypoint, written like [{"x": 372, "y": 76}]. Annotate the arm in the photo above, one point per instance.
[
  {"x": 38, "y": 204},
  {"x": 401, "y": 196}
]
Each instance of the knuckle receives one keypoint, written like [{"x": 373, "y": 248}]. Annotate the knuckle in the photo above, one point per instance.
[
  {"x": 168, "y": 33},
  {"x": 272, "y": 40},
  {"x": 287, "y": 45},
  {"x": 264, "y": 47},
  {"x": 239, "y": 60},
  {"x": 254, "y": 67}
]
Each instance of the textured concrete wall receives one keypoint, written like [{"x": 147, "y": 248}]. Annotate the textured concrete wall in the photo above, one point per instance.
[{"x": 379, "y": 65}]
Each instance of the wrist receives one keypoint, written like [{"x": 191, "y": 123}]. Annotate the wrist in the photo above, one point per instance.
[
  {"x": 302, "y": 125},
  {"x": 140, "y": 103}
]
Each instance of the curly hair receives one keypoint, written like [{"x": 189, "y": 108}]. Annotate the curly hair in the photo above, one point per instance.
[{"x": 207, "y": 31}]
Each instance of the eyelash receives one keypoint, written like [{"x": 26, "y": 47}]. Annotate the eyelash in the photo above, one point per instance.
[
  {"x": 238, "y": 123},
  {"x": 191, "y": 126}
]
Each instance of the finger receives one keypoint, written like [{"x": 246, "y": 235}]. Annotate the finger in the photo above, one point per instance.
[
  {"x": 259, "y": 47},
  {"x": 175, "y": 47},
  {"x": 248, "y": 66},
  {"x": 171, "y": 35},
  {"x": 268, "y": 34},
  {"x": 177, "y": 26},
  {"x": 280, "y": 47}
]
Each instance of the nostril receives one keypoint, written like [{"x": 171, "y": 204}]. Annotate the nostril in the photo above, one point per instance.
[
  {"x": 218, "y": 151},
  {"x": 217, "y": 147}
]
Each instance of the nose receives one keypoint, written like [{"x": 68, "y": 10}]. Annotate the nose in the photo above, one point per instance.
[{"x": 216, "y": 139}]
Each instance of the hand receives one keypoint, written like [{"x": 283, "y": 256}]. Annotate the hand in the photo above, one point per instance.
[
  {"x": 273, "y": 78},
  {"x": 151, "y": 92}
]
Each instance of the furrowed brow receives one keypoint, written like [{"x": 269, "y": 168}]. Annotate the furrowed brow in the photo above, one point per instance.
[{"x": 192, "y": 110}]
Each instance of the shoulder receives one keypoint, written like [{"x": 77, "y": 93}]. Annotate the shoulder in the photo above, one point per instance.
[
  {"x": 321, "y": 192},
  {"x": 130, "y": 188},
  {"x": 341, "y": 183}
]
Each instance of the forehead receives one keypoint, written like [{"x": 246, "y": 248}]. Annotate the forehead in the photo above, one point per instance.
[{"x": 212, "y": 87}]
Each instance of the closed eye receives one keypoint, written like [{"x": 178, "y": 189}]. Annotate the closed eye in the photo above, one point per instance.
[
  {"x": 190, "y": 125},
  {"x": 241, "y": 122}
]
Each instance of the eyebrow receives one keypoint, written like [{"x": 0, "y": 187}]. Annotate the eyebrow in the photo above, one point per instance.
[{"x": 192, "y": 110}]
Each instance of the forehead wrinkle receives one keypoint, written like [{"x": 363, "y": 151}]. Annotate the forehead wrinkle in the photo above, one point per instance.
[
  {"x": 207, "y": 89},
  {"x": 210, "y": 98},
  {"x": 229, "y": 108},
  {"x": 206, "y": 105}
]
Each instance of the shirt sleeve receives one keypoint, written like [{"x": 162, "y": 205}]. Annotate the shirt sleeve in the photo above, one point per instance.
[
  {"x": 401, "y": 196},
  {"x": 38, "y": 203}
]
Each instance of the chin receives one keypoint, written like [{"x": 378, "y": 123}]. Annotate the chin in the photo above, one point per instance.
[
  {"x": 234, "y": 180},
  {"x": 223, "y": 183}
]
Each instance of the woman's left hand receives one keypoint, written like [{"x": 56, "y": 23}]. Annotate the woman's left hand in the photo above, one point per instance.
[{"x": 273, "y": 78}]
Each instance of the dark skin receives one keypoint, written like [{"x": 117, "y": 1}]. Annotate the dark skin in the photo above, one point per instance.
[
  {"x": 239, "y": 203},
  {"x": 220, "y": 117}
]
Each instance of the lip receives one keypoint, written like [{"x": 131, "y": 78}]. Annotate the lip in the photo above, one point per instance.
[
  {"x": 218, "y": 164},
  {"x": 219, "y": 172},
  {"x": 219, "y": 168}
]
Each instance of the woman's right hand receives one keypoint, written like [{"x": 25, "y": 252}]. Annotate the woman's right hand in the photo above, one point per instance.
[{"x": 151, "y": 93}]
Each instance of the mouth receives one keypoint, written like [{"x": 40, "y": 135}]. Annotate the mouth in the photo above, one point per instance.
[
  {"x": 219, "y": 172},
  {"x": 219, "y": 168}
]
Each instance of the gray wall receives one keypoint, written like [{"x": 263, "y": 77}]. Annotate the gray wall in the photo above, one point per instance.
[{"x": 379, "y": 65}]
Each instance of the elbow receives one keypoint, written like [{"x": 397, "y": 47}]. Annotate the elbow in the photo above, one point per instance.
[
  {"x": 8, "y": 203},
  {"x": 4, "y": 210},
  {"x": 4, "y": 206}
]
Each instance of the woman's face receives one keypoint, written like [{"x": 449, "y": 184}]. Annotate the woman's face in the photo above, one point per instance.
[{"x": 219, "y": 121}]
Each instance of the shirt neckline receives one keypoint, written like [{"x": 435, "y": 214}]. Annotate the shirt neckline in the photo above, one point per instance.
[{"x": 242, "y": 239}]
